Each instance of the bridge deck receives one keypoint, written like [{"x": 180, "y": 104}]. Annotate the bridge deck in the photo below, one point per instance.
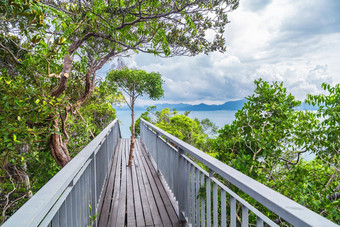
[{"x": 135, "y": 196}]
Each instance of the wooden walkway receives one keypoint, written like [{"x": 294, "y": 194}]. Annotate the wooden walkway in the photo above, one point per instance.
[{"x": 135, "y": 196}]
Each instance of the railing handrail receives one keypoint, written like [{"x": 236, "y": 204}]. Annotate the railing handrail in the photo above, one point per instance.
[
  {"x": 286, "y": 208},
  {"x": 36, "y": 208}
]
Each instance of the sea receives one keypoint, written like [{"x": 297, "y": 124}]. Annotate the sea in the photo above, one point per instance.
[{"x": 219, "y": 117}]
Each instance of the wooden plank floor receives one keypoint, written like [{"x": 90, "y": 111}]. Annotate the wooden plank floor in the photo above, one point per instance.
[{"x": 135, "y": 196}]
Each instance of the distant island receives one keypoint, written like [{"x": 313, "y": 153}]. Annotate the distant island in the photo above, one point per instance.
[{"x": 230, "y": 105}]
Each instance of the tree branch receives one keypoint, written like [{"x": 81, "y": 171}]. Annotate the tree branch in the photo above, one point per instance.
[
  {"x": 63, "y": 125},
  {"x": 293, "y": 163},
  {"x": 10, "y": 53}
]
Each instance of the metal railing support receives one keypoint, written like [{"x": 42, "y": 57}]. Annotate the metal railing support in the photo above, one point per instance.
[
  {"x": 196, "y": 190},
  {"x": 181, "y": 185},
  {"x": 65, "y": 199},
  {"x": 156, "y": 150}
]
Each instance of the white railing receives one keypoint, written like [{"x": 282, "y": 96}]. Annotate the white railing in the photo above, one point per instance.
[
  {"x": 202, "y": 199},
  {"x": 65, "y": 200}
]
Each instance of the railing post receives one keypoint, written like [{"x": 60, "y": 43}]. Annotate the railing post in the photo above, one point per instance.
[
  {"x": 94, "y": 185},
  {"x": 208, "y": 192},
  {"x": 107, "y": 151},
  {"x": 156, "y": 151},
  {"x": 182, "y": 184}
]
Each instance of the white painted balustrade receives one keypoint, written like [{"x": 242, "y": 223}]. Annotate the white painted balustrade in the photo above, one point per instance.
[
  {"x": 204, "y": 201},
  {"x": 66, "y": 199}
]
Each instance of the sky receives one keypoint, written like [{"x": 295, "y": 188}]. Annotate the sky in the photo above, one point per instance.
[{"x": 297, "y": 42}]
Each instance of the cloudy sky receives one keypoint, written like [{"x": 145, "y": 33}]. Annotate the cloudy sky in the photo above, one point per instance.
[{"x": 297, "y": 42}]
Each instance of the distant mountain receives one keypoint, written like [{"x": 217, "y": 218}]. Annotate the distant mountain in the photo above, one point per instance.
[{"x": 230, "y": 105}]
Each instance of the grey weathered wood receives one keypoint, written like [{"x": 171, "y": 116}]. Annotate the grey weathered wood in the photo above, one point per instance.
[
  {"x": 148, "y": 203},
  {"x": 116, "y": 188},
  {"x": 142, "y": 188},
  {"x": 166, "y": 200},
  {"x": 153, "y": 207},
  {"x": 122, "y": 195},
  {"x": 156, "y": 187},
  {"x": 162, "y": 177},
  {"x": 108, "y": 192},
  {"x": 136, "y": 195},
  {"x": 130, "y": 207}
]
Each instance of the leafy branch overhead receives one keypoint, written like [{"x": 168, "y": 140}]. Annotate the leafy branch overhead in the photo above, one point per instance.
[{"x": 61, "y": 45}]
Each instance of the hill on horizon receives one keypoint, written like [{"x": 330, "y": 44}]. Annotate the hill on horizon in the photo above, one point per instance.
[{"x": 229, "y": 105}]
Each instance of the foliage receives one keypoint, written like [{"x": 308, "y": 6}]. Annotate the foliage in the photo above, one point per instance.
[
  {"x": 50, "y": 52},
  {"x": 305, "y": 184},
  {"x": 23, "y": 140},
  {"x": 182, "y": 126},
  {"x": 60, "y": 46},
  {"x": 262, "y": 130},
  {"x": 137, "y": 83},
  {"x": 326, "y": 143},
  {"x": 93, "y": 218},
  {"x": 268, "y": 137}
]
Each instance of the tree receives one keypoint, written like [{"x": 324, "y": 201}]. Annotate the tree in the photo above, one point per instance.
[
  {"x": 135, "y": 83},
  {"x": 326, "y": 142},
  {"x": 268, "y": 137},
  {"x": 58, "y": 38},
  {"x": 189, "y": 130},
  {"x": 262, "y": 130},
  {"x": 52, "y": 50}
]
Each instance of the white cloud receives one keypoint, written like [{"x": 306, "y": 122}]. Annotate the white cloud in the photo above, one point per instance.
[{"x": 297, "y": 42}]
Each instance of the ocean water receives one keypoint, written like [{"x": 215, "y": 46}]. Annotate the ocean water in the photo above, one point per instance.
[{"x": 220, "y": 118}]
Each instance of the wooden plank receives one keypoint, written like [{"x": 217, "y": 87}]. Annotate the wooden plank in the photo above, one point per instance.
[
  {"x": 137, "y": 193},
  {"x": 122, "y": 195},
  {"x": 108, "y": 196},
  {"x": 171, "y": 214},
  {"x": 130, "y": 207},
  {"x": 142, "y": 189},
  {"x": 153, "y": 207},
  {"x": 165, "y": 184},
  {"x": 116, "y": 187}
]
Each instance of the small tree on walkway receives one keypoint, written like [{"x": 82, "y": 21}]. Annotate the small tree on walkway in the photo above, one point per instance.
[{"x": 132, "y": 84}]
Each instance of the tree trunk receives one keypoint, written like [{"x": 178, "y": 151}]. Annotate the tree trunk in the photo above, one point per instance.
[
  {"x": 58, "y": 148},
  {"x": 132, "y": 145}
]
